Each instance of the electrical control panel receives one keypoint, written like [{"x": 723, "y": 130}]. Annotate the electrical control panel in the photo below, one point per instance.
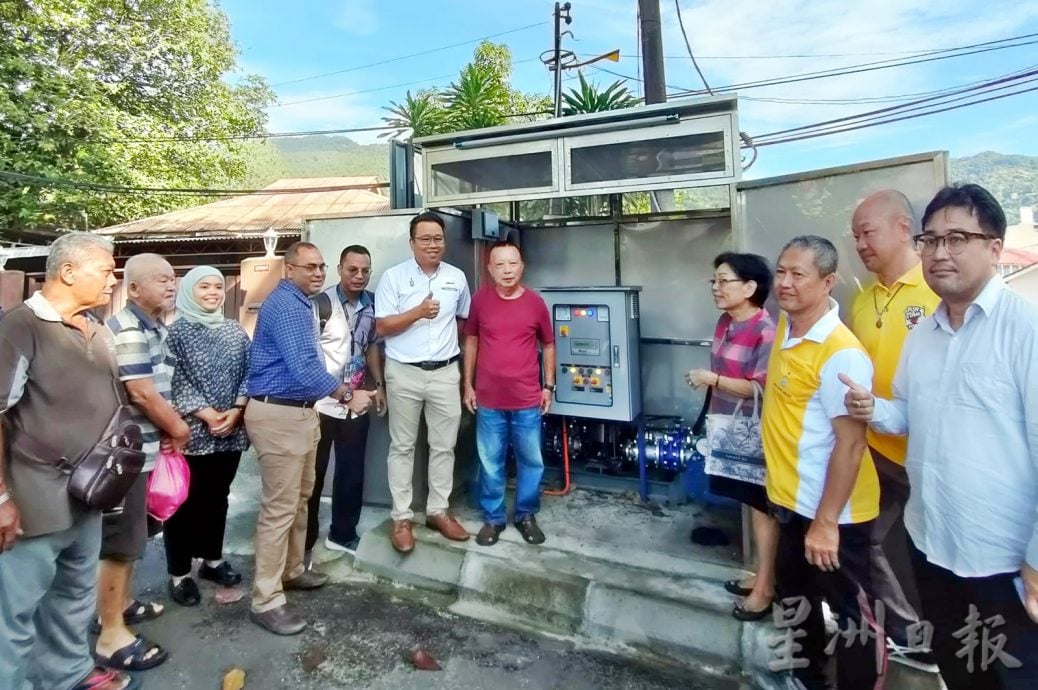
[{"x": 597, "y": 369}]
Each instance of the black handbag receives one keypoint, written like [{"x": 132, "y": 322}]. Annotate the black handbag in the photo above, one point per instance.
[{"x": 102, "y": 476}]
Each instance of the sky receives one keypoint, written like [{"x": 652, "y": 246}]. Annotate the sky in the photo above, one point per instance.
[{"x": 735, "y": 41}]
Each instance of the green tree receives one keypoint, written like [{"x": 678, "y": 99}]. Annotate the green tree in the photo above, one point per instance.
[
  {"x": 106, "y": 91},
  {"x": 588, "y": 98},
  {"x": 481, "y": 97}
]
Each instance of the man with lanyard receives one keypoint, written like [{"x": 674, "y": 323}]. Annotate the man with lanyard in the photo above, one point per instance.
[
  {"x": 966, "y": 393},
  {"x": 346, "y": 314},
  {"x": 420, "y": 307},
  {"x": 287, "y": 377},
  {"x": 884, "y": 313}
]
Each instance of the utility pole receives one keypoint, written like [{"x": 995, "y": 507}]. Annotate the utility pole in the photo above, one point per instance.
[
  {"x": 561, "y": 15},
  {"x": 652, "y": 51},
  {"x": 655, "y": 84}
]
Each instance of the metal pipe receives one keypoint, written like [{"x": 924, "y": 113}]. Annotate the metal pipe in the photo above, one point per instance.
[{"x": 566, "y": 488}]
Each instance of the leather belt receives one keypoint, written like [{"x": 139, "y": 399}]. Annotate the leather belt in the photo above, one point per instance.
[
  {"x": 434, "y": 365},
  {"x": 270, "y": 399}
]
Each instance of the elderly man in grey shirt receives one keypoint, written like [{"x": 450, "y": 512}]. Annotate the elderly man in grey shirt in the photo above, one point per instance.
[{"x": 57, "y": 382}]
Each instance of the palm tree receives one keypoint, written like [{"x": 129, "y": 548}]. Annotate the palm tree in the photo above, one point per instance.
[
  {"x": 423, "y": 113},
  {"x": 590, "y": 99}
]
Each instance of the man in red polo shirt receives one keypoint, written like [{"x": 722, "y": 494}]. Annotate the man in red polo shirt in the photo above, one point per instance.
[{"x": 503, "y": 387}]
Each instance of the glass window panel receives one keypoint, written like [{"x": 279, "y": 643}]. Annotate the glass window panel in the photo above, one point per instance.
[
  {"x": 520, "y": 171},
  {"x": 691, "y": 154}
]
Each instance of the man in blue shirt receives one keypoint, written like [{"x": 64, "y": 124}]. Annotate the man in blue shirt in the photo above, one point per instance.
[{"x": 286, "y": 377}]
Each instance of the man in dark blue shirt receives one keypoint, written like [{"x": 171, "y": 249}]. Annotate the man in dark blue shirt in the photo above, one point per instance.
[{"x": 286, "y": 377}]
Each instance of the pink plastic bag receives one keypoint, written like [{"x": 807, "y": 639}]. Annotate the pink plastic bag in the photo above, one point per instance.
[{"x": 168, "y": 485}]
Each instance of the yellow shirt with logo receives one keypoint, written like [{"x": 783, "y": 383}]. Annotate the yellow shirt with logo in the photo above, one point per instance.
[
  {"x": 802, "y": 397},
  {"x": 898, "y": 309}
]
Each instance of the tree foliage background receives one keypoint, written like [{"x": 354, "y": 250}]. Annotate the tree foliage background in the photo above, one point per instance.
[{"x": 80, "y": 80}]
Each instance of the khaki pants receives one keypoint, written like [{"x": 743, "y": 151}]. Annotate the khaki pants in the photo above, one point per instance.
[
  {"x": 411, "y": 389},
  {"x": 285, "y": 439}
]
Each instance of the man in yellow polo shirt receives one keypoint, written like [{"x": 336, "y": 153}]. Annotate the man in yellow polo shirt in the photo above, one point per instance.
[
  {"x": 820, "y": 478},
  {"x": 884, "y": 312}
]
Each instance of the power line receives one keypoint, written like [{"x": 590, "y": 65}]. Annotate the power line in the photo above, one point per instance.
[
  {"x": 238, "y": 137},
  {"x": 869, "y": 66},
  {"x": 812, "y": 135},
  {"x": 61, "y": 183},
  {"x": 354, "y": 93},
  {"x": 380, "y": 88},
  {"x": 998, "y": 84},
  {"x": 691, "y": 55},
  {"x": 411, "y": 55}
]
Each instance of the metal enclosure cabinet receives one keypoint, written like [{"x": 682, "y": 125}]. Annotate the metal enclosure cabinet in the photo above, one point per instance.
[{"x": 597, "y": 334}]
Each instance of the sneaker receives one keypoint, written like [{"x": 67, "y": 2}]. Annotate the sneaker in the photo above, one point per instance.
[
  {"x": 527, "y": 526},
  {"x": 186, "y": 593},
  {"x": 920, "y": 659},
  {"x": 489, "y": 533},
  {"x": 348, "y": 547}
]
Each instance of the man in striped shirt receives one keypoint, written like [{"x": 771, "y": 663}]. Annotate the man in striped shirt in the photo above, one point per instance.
[{"x": 146, "y": 369}]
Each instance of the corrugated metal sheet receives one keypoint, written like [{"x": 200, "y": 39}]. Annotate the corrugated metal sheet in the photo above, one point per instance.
[{"x": 255, "y": 213}]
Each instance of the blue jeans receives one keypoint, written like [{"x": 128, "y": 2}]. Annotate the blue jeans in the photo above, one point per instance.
[{"x": 495, "y": 429}]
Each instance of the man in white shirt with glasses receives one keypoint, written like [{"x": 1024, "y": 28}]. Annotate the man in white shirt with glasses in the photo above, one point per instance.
[
  {"x": 420, "y": 306},
  {"x": 966, "y": 393}
]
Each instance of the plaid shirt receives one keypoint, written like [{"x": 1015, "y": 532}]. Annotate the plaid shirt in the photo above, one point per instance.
[
  {"x": 285, "y": 360},
  {"x": 141, "y": 352},
  {"x": 740, "y": 351}
]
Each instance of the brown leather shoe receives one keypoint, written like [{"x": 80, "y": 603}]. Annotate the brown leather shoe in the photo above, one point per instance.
[
  {"x": 402, "y": 538},
  {"x": 310, "y": 579},
  {"x": 447, "y": 525},
  {"x": 280, "y": 621}
]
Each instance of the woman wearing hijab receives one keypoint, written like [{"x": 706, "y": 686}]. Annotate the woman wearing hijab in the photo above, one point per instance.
[{"x": 212, "y": 355}]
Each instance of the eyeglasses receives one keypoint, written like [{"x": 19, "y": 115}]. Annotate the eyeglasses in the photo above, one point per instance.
[
  {"x": 954, "y": 242},
  {"x": 426, "y": 241},
  {"x": 312, "y": 268},
  {"x": 354, "y": 271},
  {"x": 723, "y": 282}
]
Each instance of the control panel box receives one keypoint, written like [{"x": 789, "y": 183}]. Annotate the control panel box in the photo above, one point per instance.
[{"x": 597, "y": 369}]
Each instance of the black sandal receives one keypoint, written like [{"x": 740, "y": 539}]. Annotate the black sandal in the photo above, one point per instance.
[
  {"x": 136, "y": 612},
  {"x": 735, "y": 587},
  {"x": 746, "y": 615},
  {"x": 134, "y": 656}
]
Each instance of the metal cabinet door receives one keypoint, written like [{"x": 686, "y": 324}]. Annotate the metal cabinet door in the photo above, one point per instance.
[{"x": 771, "y": 211}]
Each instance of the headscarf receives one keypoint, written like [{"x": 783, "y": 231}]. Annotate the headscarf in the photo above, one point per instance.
[{"x": 188, "y": 308}]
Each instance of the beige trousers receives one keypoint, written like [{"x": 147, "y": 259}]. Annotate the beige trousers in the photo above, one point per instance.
[
  {"x": 412, "y": 390},
  {"x": 285, "y": 439}
]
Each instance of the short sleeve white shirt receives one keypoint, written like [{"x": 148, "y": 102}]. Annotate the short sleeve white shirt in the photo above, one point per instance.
[{"x": 404, "y": 287}]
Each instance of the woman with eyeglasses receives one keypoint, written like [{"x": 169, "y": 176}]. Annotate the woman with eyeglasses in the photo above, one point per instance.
[
  {"x": 209, "y": 392},
  {"x": 739, "y": 359}
]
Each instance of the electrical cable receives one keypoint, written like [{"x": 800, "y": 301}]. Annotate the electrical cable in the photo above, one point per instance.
[
  {"x": 691, "y": 55},
  {"x": 407, "y": 57},
  {"x": 852, "y": 69},
  {"x": 60, "y": 183},
  {"x": 998, "y": 84},
  {"x": 874, "y": 123}
]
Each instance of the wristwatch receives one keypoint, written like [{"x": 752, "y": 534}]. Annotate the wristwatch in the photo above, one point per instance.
[
  {"x": 346, "y": 397},
  {"x": 380, "y": 384},
  {"x": 550, "y": 387}
]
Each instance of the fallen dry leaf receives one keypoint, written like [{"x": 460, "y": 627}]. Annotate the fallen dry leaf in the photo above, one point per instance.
[
  {"x": 423, "y": 660},
  {"x": 229, "y": 595},
  {"x": 233, "y": 680},
  {"x": 312, "y": 657}
]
